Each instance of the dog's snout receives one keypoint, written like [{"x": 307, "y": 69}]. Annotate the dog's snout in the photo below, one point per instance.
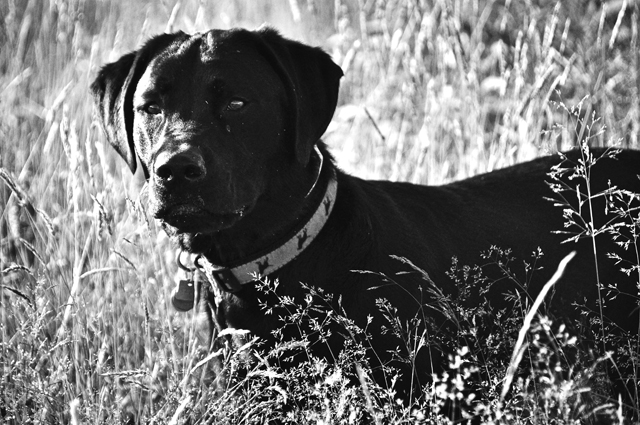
[{"x": 186, "y": 167}]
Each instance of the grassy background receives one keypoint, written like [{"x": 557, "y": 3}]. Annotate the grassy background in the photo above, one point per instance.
[{"x": 433, "y": 91}]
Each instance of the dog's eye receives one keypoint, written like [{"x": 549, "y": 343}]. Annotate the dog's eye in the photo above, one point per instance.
[
  {"x": 152, "y": 108},
  {"x": 235, "y": 105}
]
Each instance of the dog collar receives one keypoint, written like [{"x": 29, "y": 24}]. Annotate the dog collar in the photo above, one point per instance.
[{"x": 231, "y": 279}]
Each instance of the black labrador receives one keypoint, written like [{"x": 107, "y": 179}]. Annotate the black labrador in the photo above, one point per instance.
[{"x": 226, "y": 126}]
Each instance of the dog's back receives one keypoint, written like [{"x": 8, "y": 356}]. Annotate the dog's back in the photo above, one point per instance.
[{"x": 511, "y": 209}]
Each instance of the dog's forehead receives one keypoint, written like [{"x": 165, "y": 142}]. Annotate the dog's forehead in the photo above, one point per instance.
[
  {"x": 215, "y": 48},
  {"x": 225, "y": 45},
  {"x": 217, "y": 43},
  {"x": 214, "y": 55}
]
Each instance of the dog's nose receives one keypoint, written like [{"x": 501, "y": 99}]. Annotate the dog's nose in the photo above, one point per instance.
[{"x": 186, "y": 167}]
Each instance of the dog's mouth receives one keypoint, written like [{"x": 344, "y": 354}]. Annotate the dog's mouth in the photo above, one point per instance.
[{"x": 189, "y": 218}]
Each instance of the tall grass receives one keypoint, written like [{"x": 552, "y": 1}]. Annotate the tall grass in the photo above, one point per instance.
[{"x": 433, "y": 91}]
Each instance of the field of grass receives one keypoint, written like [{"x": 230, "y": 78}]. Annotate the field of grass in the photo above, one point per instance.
[{"x": 433, "y": 91}]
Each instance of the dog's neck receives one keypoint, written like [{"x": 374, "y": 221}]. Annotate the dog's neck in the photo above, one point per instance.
[{"x": 282, "y": 215}]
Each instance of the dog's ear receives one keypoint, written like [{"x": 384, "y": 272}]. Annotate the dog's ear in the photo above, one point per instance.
[
  {"x": 113, "y": 91},
  {"x": 312, "y": 80}
]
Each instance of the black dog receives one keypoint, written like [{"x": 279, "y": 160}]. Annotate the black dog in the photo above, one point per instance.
[{"x": 226, "y": 126}]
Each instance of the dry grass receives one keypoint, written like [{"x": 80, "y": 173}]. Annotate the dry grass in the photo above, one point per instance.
[{"x": 433, "y": 91}]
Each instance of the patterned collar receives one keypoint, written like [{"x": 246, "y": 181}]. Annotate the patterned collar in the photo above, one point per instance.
[{"x": 231, "y": 279}]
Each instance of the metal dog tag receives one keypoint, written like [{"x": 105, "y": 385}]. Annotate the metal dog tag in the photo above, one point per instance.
[{"x": 182, "y": 296}]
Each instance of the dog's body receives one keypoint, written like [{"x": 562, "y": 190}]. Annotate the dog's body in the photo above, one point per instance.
[{"x": 225, "y": 124}]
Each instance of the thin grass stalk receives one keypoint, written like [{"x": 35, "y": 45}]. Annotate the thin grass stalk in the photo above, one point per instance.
[
  {"x": 518, "y": 349},
  {"x": 592, "y": 234}
]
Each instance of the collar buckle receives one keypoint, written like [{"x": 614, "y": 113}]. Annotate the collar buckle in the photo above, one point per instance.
[{"x": 226, "y": 280}]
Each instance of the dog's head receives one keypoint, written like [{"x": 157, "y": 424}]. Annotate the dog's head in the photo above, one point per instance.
[{"x": 212, "y": 118}]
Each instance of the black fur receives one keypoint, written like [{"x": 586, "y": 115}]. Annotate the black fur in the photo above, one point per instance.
[{"x": 259, "y": 167}]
